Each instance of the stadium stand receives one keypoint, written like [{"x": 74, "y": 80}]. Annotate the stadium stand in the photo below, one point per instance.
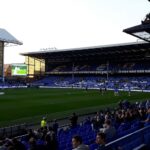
[
  {"x": 134, "y": 66},
  {"x": 122, "y": 66},
  {"x": 124, "y": 83},
  {"x": 128, "y": 135},
  {"x": 129, "y": 120}
]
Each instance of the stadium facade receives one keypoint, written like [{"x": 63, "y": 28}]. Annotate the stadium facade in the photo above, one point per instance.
[{"x": 126, "y": 58}]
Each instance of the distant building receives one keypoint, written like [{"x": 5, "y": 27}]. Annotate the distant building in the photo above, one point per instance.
[{"x": 7, "y": 70}]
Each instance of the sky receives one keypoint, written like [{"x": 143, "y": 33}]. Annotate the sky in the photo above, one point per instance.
[{"x": 68, "y": 23}]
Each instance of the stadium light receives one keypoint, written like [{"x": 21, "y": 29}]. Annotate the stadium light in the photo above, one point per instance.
[
  {"x": 141, "y": 31},
  {"x": 142, "y": 35}
]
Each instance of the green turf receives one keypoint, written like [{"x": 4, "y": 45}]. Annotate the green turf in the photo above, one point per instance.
[{"x": 22, "y": 105}]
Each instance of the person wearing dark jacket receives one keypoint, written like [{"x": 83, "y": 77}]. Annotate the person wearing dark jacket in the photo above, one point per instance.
[
  {"x": 74, "y": 120},
  {"x": 100, "y": 140}
]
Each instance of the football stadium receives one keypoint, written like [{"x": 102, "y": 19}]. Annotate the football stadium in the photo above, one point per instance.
[{"x": 90, "y": 98}]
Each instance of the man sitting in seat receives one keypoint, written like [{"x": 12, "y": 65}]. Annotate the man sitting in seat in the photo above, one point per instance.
[
  {"x": 73, "y": 120},
  {"x": 109, "y": 130},
  {"x": 77, "y": 143},
  {"x": 100, "y": 140},
  {"x": 147, "y": 121}
]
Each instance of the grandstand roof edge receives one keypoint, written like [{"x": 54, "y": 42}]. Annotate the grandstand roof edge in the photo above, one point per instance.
[
  {"x": 6, "y": 37},
  {"x": 84, "y": 48}
]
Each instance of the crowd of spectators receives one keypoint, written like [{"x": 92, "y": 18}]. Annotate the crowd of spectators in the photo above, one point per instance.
[{"x": 105, "y": 124}]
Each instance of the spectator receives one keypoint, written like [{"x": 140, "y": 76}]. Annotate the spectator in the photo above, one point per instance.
[
  {"x": 55, "y": 126},
  {"x": 100, "y": 140},
  {"x": 147, "y": 121},
  {"x": 77, "y": 143},
  {"x": 30, "y": 134},
  {"x": 51, "y": 143},
  {"x": 73, "y": 120},
  {"x": 8, "y": 143},
  {"x": 33, "y": 145},
  {"x": 147, "y": 104},
  {"x": 18, "y": 145},
  {"x": 142, "y": 114},
  {"x": 87, "y": 121},
  {"x": 96, "y": 123},
  {"x": 2, "y": 146},
  {"x": 109, "y": 130},
  {"x": 43, "y": 122},
  {"x": 50, "y": 139}
]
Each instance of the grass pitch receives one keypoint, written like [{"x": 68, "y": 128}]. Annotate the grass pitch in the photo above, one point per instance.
[{"x": 29, "y": 105}]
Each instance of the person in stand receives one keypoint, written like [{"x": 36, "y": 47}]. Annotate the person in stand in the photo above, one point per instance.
[
  {"x": 55, "y": 126},
  {"x": 100, "y": 140},
  {"x": 74, "y": 120},
  {"x": 77, "y": 143},
  {"x": 147, "y": 120},
  {"x": 43, "y": 122},
  {"x": 109, "y": 130}
]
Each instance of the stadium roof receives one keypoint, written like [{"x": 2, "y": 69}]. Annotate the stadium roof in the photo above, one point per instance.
[
  {"x": 139, "y": 49},
  {"x": 5, "y": 36},
  {"x": 140, "y": 31}
]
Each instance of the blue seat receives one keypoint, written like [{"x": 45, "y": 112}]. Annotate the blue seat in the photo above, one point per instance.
[{"x": 93, "y": 146}]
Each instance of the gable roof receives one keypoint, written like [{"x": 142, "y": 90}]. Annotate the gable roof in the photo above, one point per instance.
[{"x": 5, "y": 36}]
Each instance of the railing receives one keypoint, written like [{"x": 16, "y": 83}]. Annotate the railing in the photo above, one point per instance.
[
  {"x": 99, "y": 71},
  {"x": 13, "y": 131},
  {"x": 131, "y": 141},
  {"x": 20, "y": 130}
]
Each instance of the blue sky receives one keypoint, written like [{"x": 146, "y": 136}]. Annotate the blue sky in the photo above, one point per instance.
[{"x": 68, "y": 23}]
